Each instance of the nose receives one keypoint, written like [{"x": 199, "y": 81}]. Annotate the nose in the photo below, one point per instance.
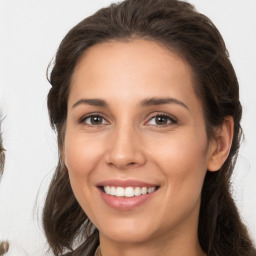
[{"x": 125, "y": 148}]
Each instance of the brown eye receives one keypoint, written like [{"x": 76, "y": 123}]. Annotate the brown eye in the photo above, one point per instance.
[
  {"x": 161, "y": 120},
  {"x": 94, "y": 120}
]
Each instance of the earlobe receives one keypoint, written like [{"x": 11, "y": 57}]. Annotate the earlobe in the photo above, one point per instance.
[{"x": 222, "y": 144}]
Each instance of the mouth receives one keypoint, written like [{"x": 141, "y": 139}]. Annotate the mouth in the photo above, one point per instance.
[
  {"x": 127, "y": 191},
  {"x": 126, "y": 194}
]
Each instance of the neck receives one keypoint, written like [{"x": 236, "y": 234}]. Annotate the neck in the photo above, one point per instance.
[{"x": 130, "y": 250}]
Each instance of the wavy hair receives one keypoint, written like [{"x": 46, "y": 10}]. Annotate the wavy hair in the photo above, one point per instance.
[{"x": 179, "y": 27}]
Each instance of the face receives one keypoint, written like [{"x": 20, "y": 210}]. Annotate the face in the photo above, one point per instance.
[{"x": 135, "y": 146}]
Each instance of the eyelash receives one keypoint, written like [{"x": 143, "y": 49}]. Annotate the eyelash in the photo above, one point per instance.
[
  {"x": 171, "y": 119},
  {"x": 90, "y": 116}
]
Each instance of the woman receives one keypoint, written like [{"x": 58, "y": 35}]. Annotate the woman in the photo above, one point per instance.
[{"x": 146, "y": 106}]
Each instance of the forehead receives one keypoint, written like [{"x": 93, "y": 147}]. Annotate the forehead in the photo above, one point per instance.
[
  {"x": 138, "y": 53},
  {"x": 137, "y": 67}
]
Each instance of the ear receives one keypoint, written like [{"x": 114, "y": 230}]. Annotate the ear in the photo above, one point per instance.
[{"x": 221, "y": 144}]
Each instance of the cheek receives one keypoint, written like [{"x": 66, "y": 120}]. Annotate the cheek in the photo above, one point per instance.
[
  {"x": 183, "y": 161},
  {"x": 181, "y": 149},
  {"x": 81, "y": 156},
  {"x": 80, "y": 153},
  {"x": 183, "y": 164}
]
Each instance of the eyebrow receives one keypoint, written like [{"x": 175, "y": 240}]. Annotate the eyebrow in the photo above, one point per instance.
[
  {"x": 145, "y": 103},
  {"x": 92, "y": 102},
  {"x": 162, "y": 101}
]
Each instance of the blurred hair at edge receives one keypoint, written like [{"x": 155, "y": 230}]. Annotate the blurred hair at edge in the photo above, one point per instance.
[
  {"x": 180, "y": 28},
  {"x": 2, "y": 150},
  {"x": 4, "y": 246}
]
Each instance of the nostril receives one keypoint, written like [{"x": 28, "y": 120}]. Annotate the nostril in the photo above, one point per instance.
[
  {"x": 123, "y": 165},
  {"x": 132, "y": 163}
]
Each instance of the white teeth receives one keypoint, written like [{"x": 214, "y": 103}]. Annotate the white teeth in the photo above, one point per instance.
[
  {"x": 128, "y": 191},
  {"x": 152, "y": 189},
  {"x": 119, "y": 191},
  {"x": 107, "y": 189},
  {"x": 144, "y": 191},
  {"x": 137, "y": 191},
  {"x": 112, "y": 191}
]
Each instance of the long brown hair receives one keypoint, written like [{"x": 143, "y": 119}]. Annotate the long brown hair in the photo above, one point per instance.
[{"x": 177, "y": 26}]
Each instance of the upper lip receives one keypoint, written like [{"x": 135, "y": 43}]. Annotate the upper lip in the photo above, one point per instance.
[{"x": 125, "y": 183}]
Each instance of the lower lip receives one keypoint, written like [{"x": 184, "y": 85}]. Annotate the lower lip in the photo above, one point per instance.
[{"x": 125, "y": 203}]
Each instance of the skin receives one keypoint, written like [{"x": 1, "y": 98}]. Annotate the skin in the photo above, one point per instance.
[{"x": 129, "y": 143}]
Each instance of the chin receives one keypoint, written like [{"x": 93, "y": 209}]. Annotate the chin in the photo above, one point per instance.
[
  {"x": 129, "y": 233},
  {"x": 127, "y": 237}
]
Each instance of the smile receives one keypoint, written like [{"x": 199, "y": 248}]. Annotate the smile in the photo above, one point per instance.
[
  {"x": 126, "y": 195},
  {"x": 128, "y": 191}
]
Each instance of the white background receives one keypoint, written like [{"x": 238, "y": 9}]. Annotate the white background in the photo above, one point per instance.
[{"x": 30, "y": 32}]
